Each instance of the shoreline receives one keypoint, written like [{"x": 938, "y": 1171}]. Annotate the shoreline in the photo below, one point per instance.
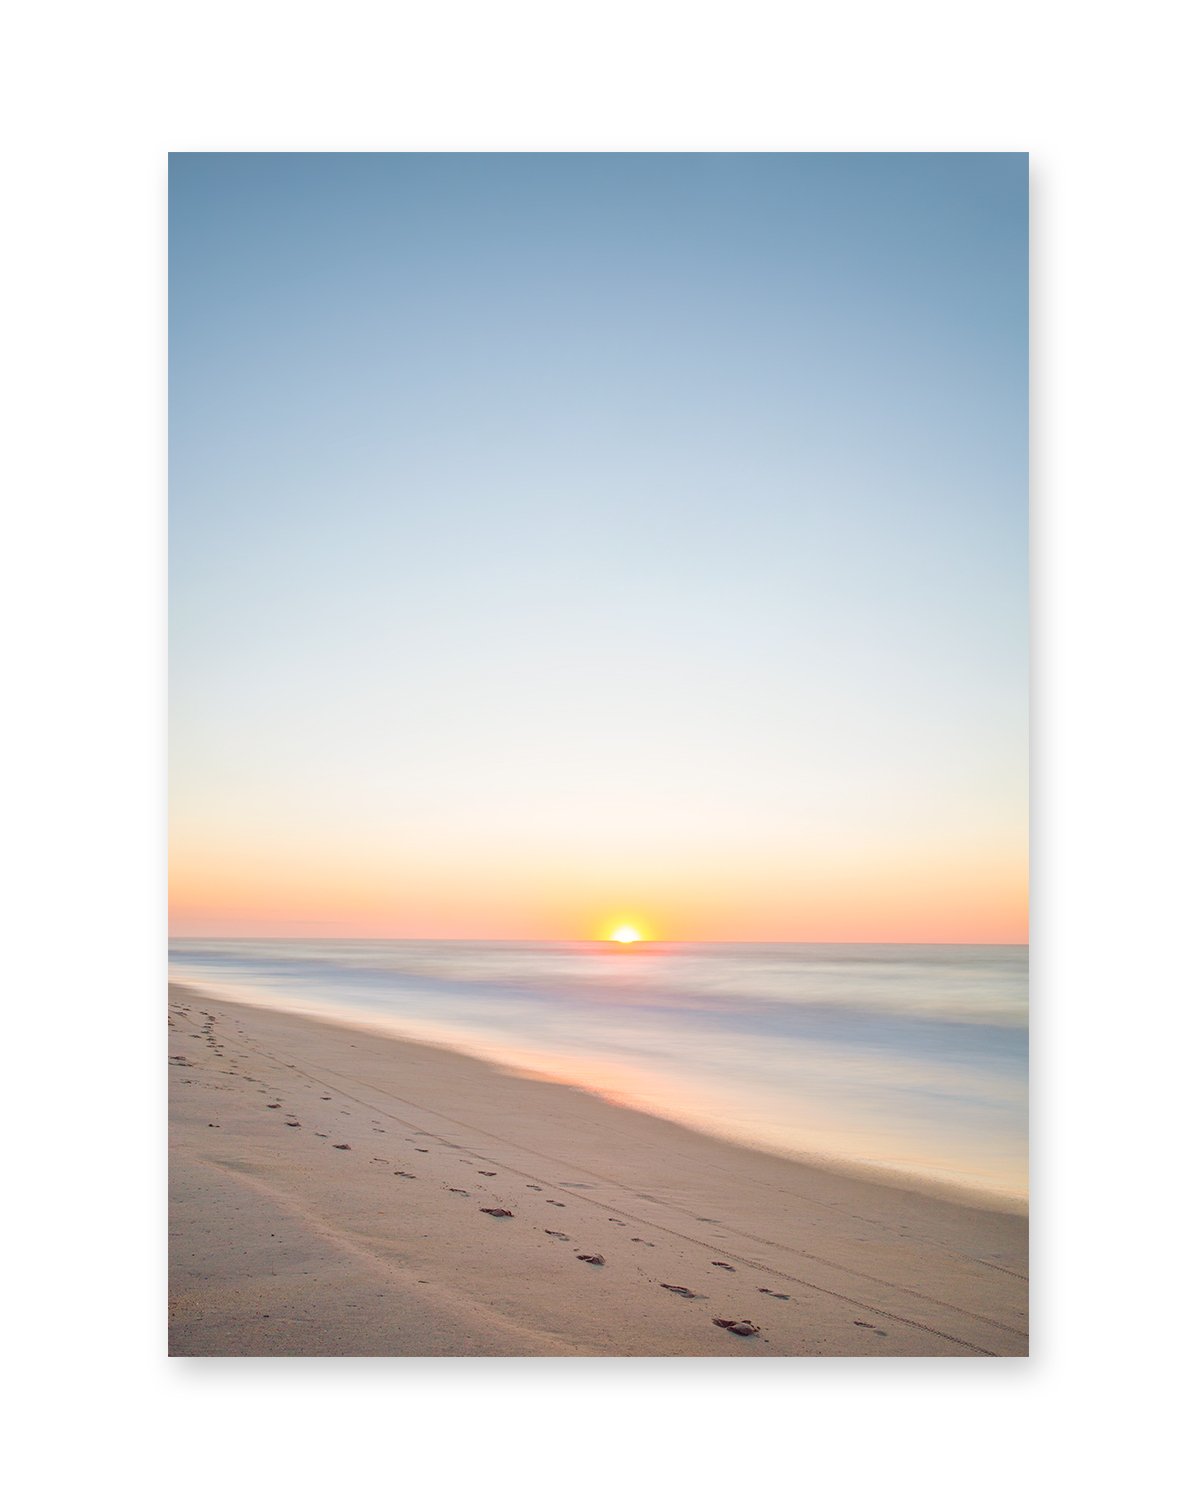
[
  {"x": 282, "y": 1245},
  {"x": 928, "y": 1183}
]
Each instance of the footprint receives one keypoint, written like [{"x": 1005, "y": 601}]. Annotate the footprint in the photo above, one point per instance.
[
  {"x": 743, "y": 1327},
  {"x": 592, "y": 1260},
  {"x": 274, "y": 1106},
  {"x": 783, "y": 1296},
  {"x": 497, "y": 1213},
  {"x": 424, "y": 1150},
  {"x": 341, "y": 1148},
  {"x": 621, "y": 1222},
  {"x": 680, "y": 1291},
  {"x": 292, "y": 1124},
  {"x": 409, "y": 1175},
  {"x": 462, "y": 1193},
  {"x": 555, "y": 1203},
  {"x": 326, "y": 1097},
  {"x": 487, "y": 1174},
  {"x": 724, "y": 1265},
  {"x": 534, "y": 1186},
  {"x": 556, "y": 1234},
  {"x": 648, "y": 1243}
]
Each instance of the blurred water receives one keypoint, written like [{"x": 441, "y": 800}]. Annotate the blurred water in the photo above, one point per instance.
[{"x": 906, "y": 1059}]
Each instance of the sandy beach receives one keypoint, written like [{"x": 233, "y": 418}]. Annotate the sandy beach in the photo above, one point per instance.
[{"x": 334, "y": 1191}]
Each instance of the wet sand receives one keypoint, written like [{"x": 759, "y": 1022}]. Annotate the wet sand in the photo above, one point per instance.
[{"x": 338, "y": 1192}]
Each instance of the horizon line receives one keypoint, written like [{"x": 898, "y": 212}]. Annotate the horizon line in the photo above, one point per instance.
[{"x": 612, "y": 943}]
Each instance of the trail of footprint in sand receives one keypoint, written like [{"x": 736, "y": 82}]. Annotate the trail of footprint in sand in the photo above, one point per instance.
[{"x": 825, "y": 1290}]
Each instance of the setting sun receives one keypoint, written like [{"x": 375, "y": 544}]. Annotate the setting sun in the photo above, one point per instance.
[{"x": 626, "y": 935}]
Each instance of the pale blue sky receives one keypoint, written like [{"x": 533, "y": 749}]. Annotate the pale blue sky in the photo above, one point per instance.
[{"x": 640, "y": 507}]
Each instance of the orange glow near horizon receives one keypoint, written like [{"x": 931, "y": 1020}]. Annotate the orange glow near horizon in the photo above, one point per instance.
[{"x": 950, "y": 898}]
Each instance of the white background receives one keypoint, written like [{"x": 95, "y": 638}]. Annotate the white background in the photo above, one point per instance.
[{"x": 93, "y": 98}]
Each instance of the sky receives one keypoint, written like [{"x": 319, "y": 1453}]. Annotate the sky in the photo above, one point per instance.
[{"x": 563, "y": 541}]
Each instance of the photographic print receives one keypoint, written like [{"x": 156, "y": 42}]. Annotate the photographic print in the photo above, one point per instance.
[{"x": 598, "y": 690}]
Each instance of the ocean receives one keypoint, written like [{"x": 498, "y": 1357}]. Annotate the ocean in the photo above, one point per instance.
[{"x": 903, "y": 1060}]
